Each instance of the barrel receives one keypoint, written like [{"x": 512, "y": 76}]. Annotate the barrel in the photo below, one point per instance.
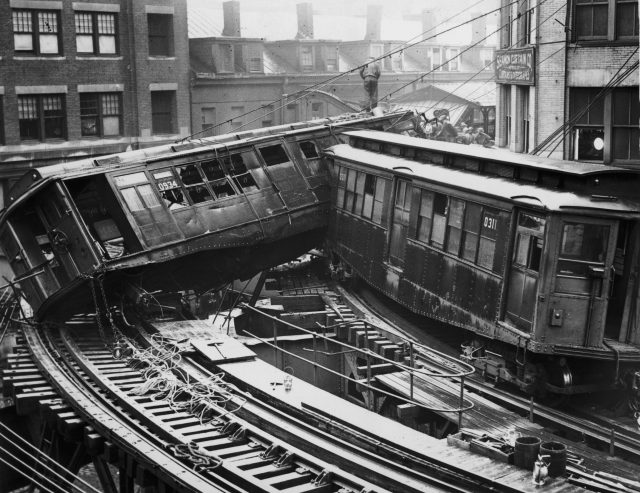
[
  {"x": 526, "y": 452},
  {"x": 557, "y": 460}
]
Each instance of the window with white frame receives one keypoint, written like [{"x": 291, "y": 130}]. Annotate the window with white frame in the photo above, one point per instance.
[
  {"x": 96, "y": 33},
  {"x": 226, "y": 58},
  {"x": 306, "y": 58},
  {"x": 42, "y": 117},
  {"x": 36, "y": 32},
  {"x": 254, "y": 63},
  {"x": 100, "y": 114},
  {"x": 453, "y": 64}
]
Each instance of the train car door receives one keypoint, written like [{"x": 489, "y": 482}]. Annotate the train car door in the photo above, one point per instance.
[
  {"x": 293, "y": 188},
  {"x": 154, "y": 222},
  {"x": 70, "y": 244},
  {"x": 400, "y": 223},
  {"x": 525, "y": 269},
  {"x": 582, "y": 277}
]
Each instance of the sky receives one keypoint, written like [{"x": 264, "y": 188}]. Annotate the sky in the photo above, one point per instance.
[{"x": 345, "y": 20}]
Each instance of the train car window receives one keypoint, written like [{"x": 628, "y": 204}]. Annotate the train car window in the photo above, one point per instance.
[
  {"x": 497, "y": 169},
  {"x": 584, "y": 241},
  {"x": 378, "y": 201},
  {"x": 454, "y": 226},
  {"x": 529, "y": 175},
  {"x": 241, "y": 175},
  {"x": 528, "y": 251},
  {"x": 400, "y": 226},
  {"x": 471, "y": 231},
  {"x": 222, "y": 188},
  {"x": 360, "y": 180},
  {"x": 274, "y": 154},
  {"x": 309, "y": 149},
  {"x": 349, "y": 198},
  {"x": 392, "y": 149},
  {"x": 488, "y": 237},
  {"x": 583, "y": 245},
  {"x": 424, "y": 216},
  {"x": 148, "y": 197},
  {"x": 357, "y": 143},
  {"x": 212, "y": 170},
  {"x": 438, "y": 228},
  {"x": 131, "y": 179},
  {"x": 170, "y": 190},
  {"x": 132, "y": 199},
  {"x": 409, "y": 152},
  {"x": 369, "y": 192},
  {"x": 372, "y": 146},
  {"x": 193, "y": 183},
  {"x": 342, "y": 182}
]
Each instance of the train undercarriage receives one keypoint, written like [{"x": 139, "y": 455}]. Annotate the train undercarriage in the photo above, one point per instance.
[{"x": 554, "y": 377}]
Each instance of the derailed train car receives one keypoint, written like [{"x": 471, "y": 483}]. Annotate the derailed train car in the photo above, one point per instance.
[
  {"x": 537, "y": 258},
  {"x": 152, "y": 218}
]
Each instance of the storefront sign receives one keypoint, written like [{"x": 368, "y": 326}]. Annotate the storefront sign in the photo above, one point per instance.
[{"x": 515, "y": 66}]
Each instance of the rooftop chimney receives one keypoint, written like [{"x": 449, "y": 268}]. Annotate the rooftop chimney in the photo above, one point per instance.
[
  {"x": 429, "y": 25},
  {"x": 305, "y": 20},
  {"x": 374, "y": 19},
  {"x": 478, "y": 29},
  {"x": 231, "y": 11}
]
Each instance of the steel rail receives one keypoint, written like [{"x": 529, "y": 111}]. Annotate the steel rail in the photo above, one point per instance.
[
  {"x": 109, "y": 422},
  {"x": 620, "y": 439},
  {"x": 344, "y": 435}
]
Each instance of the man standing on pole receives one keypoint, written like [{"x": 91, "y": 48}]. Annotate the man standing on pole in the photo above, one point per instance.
[{"x": 370, "y": 73}]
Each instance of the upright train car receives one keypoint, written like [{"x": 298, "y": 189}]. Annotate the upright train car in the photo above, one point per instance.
[
  {"x": 188, "y": 216},
  {"x": 536, "y": 258}
]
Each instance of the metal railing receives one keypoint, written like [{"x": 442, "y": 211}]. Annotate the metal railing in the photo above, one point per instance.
[{"x": 463, "y": 371}]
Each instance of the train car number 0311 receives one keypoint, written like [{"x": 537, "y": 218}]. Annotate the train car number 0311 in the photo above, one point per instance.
[{"x": 490, "y": 222}]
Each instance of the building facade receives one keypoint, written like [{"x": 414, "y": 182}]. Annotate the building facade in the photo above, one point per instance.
[
  {"x": 567, "y": 75},
  {"x": 82, "y": 78},
  {"x": 300, "y": 78}
]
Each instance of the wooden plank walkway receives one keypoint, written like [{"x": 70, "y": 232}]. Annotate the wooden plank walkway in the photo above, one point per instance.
[
  {"x": 493, "y": 419},
  {"x": 259, "y": 376}
]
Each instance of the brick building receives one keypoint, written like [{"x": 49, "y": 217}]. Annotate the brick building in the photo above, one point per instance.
[
  {"x": 566, "y": 74},
  {"x": 234, "y": 73},
  {"x": 84, "y": 78}
]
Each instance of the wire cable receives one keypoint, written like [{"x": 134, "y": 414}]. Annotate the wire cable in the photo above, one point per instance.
[
  {"x": 562, "y": 131},
  {"x": 515, "y": 43},
  {"x": 388, "y": 95},
  {"x": 343, "y": 74},
  {"x": 41, "y": 462}
]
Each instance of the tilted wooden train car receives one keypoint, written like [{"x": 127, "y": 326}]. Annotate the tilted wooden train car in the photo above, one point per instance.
[
  {"x": 152, "y": 218},
  {"x": 537, "y": 258}
]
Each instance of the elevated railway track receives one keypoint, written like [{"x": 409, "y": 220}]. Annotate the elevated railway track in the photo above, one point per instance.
[{"x": 166, "y": 420}]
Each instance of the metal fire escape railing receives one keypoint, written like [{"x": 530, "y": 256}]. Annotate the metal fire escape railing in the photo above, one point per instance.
[{"x": 463, "y": 369}]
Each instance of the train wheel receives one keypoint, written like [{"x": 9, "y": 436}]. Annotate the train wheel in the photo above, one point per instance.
[{"x": 557, "y": 373}]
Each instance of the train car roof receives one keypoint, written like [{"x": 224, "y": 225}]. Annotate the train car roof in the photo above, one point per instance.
[
  {"x": 489, "y": 186},
  {"x": 182, "y": 149},
  {"x": 492, "y": 154}
]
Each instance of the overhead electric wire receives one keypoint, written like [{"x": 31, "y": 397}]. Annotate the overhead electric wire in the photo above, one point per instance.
[
  {"x": 444, "y": 63},
  {"x": 40, "y": 458},
  {"x": 514, "y": 44},
  {"x": 33, "y": 481},
  {"x": 538, "y": 64},
  {"x": 390, "y": 53},
  {"x": 563, "y": 130}
]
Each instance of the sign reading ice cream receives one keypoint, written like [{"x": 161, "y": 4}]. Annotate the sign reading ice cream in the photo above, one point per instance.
[{"x": 515, "y": 66}]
